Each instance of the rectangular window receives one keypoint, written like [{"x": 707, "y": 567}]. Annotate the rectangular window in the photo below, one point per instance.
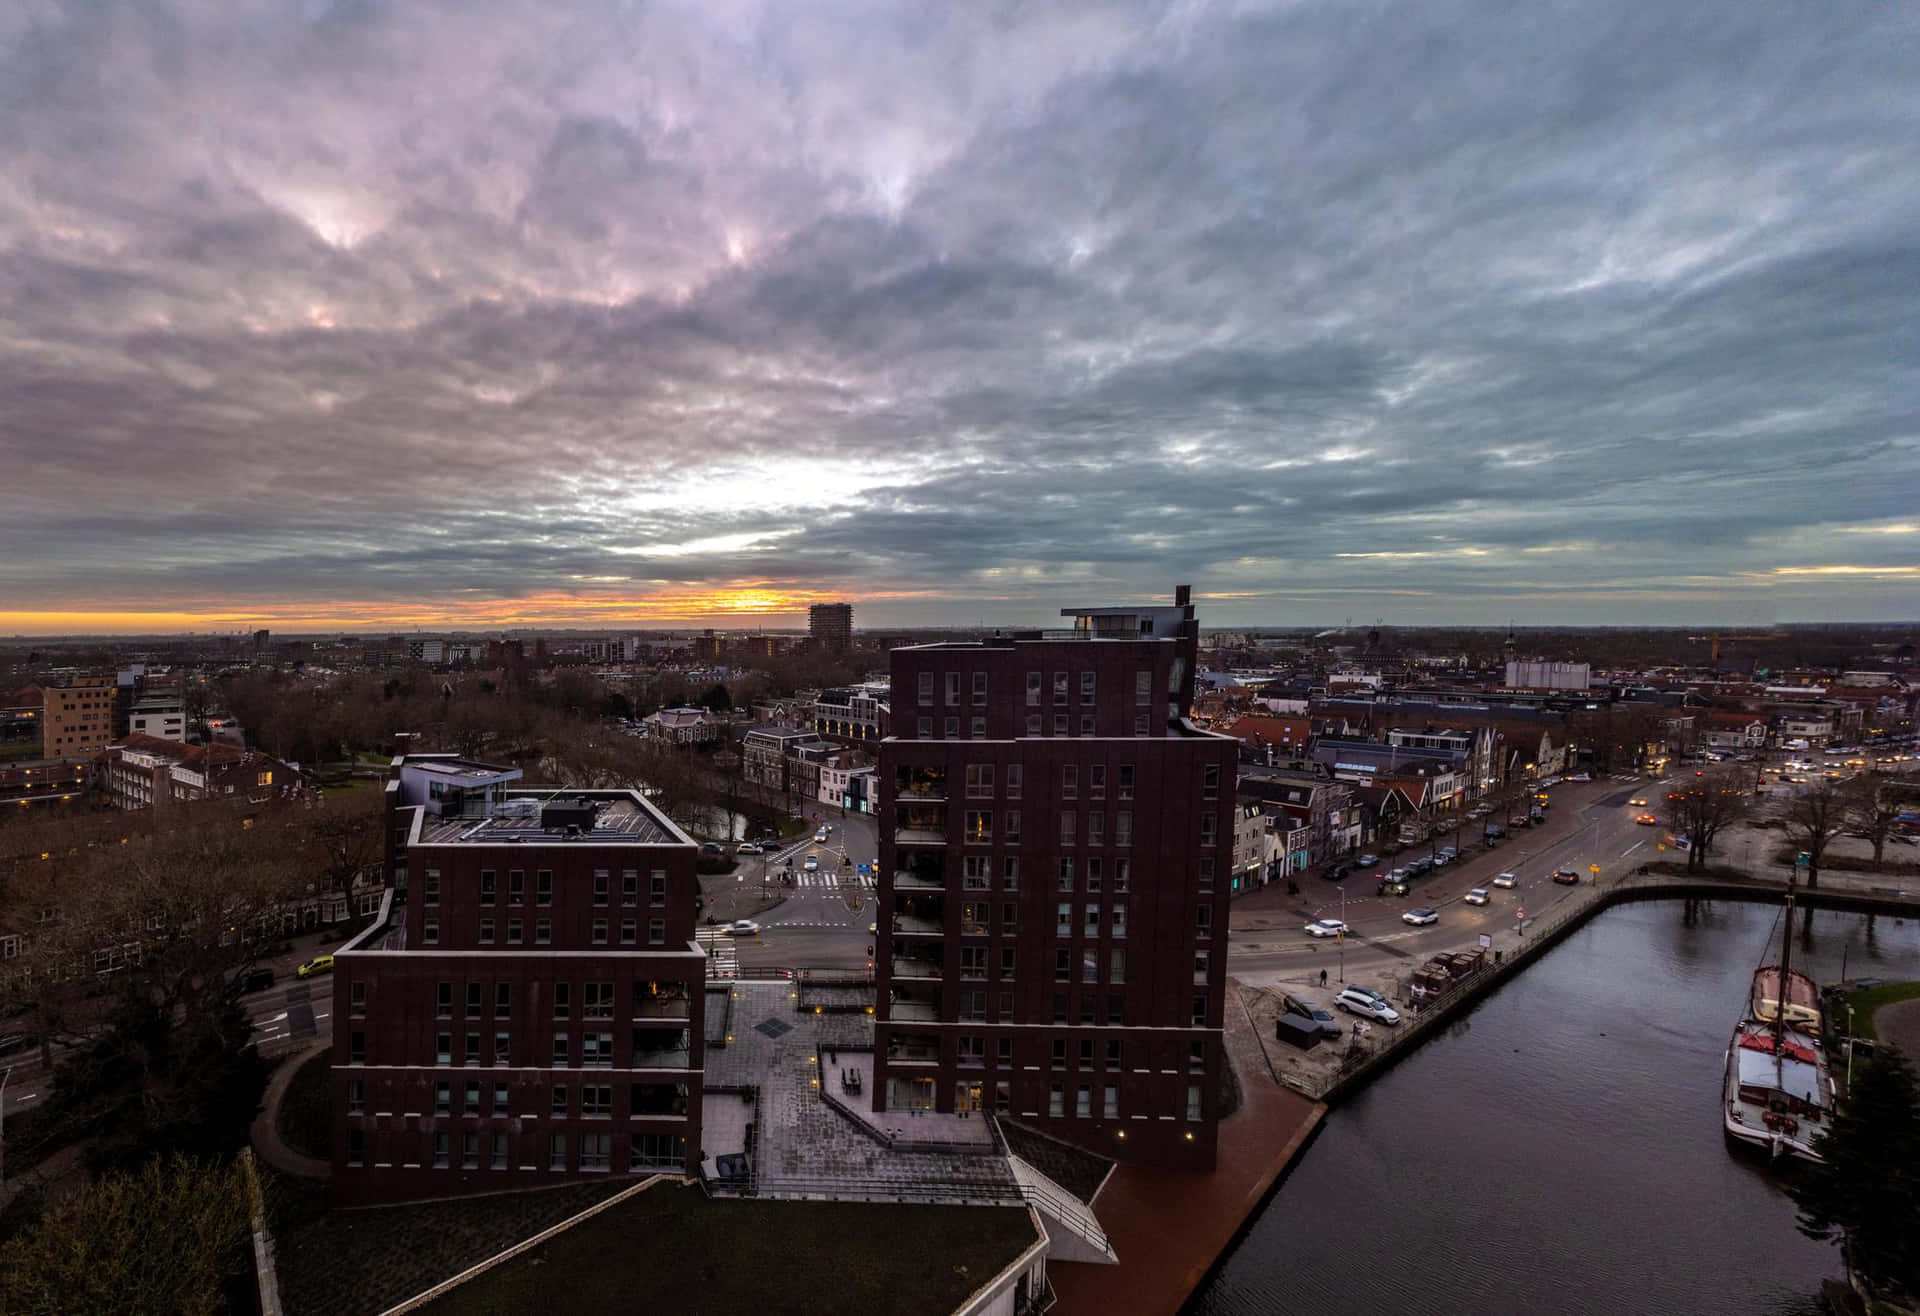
[
  {"x": 1063, "y": 965},
  {"x": 1199, "y": 1012},
  {"x": 979, "y": 827},
  {"x": 1210, "y": 782},
  {"x": 1143, "y": 689},
  {"x": 470, "y": 1100},
  {"x": 599, "y": 932},
  {"x": 952, "y": 725},
  {"x": 1069, "y": 781},
  {"x": 442, "y": 1098},
  {"x": 1193, "y": 1101},
  {"x": 1142, "y": 726},
  {"x": 356, "y": 1097},
  {"x": 1009, "y": 918},
  {"x": 1065, "y": 880},
  {"x": 516, "y": 932},
  {"x": 1209, "y": 828},
  {"x": 1206, "y": 874},
  {"x": 629, "y": 931},
  {"x": 924, "y": 728},
  {"x": 1096, "y": 828},
  {"x": 486, "y": 932},
  {"x": 499, "y": 1161},
  {"x": 562, "y": 1000},
  {"x": 1117, "y": 1009},
  {"x": 656, "y": 932},
  {"x": 979, "y": 689},
  {"x": 1035, "y": 724},
  {"x": 978, "y": 729},
  {"x": 1013, "y": 826},
  {"x": 1110, "y": 1109},
  {"x": 443, "y": 1007},
  {"x": 596, "y": 1050},
  {"x": 1202, "y": 966},
  {"x": 972, "y": 1051},
  {"x": 1093, "y": 875},
  {"x": 1069, "y": 824},
  {"x": 431, "y": 932},
  {"x": 1086, "y": 687},
  {"x": 542, "y": 931},
  {"x": 1034, "y": 687},
  {"x": 1126, "y": 781},
  {"x": 1197, "y": 1058},
  {"x": 1113, "y": 1054},
  {"x": 1059, "y": 1053},
  {"x": 1016, "y": 777},
  {"x": 602, "y": 889},
  {"x": 596, "y": 1151},
  {"x": 1008, "y": 958},
  {"x": 432, "y": 887},
  {"x": 1117, "y": 965},
  {"x": 1003, "y": 1051},
  {"x": 356, "y": 1146},
  {"x": 973, "y": 871},
  {"x": 357, "y": 999},
  {"x": 1119, "y": 920},
  {"x": 1059, "y": 1007},
  {"x": 516, "y": 887},
  {"x": 1123, "y": 827},
  {"x": 973, "y": 963},
  {"x": 556, "y": 1151},
  {"x": 630, "y": 886},
  {"x": 1091, "y": 918},
  {"x": 440, "y": 1145},
  {"x": 560, "y": 1051},
  {"x": 472, "y": 1052},
  {"x": 1096, "y": 781},
  {"x": 1083, "y": 1101},
  {"x": 1086, "y": 724},
  {"x": 469, "y": 1151},
  {"x": 1063, "y": 919},
  {"x": 598, "y": 1002},
  {"x": 500, "y": 1056},
  {"x": 443, "y": 1048},
  {"x": 1060, "y": 724},
  {"x": 499, "y": 1106},
  {"x": 1060, "y": 688},
  {"x": 543, "y": 887},
  {"x": 657, "y": 888},
  {"x": 1010, "y": 873},
  {"x": 926, "y": 688},
  {"x": 1056, "y": 1099},
  {"x": 979, "y": 781},
  {"x": 560, "y": 1103},
  {"x": 1090, "y": 965},
  {"x": 486, "y": 886},
  {"x": 1203, "y": 921},
  {"x": 953, "y": 688}
]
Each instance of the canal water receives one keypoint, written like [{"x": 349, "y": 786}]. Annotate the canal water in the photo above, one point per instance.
[{"x": 1558, "y": 1148}]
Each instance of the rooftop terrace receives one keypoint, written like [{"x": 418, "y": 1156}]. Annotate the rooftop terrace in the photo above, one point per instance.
[{"x": 556, "y": 818}]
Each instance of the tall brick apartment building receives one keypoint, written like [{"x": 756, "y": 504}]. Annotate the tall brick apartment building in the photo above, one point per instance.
[
  {"x": 531, "y": 1013},
  {"x": 1055, "y": 846}
]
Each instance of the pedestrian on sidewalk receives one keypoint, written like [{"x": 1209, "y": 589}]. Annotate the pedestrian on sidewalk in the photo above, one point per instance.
[{"x": 1323, "y": 977}]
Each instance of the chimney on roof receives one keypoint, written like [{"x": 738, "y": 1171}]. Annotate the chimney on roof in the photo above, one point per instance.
[{"x": 1182, "y": 595}]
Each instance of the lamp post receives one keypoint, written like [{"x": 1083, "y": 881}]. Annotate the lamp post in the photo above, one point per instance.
[
  {"x": 9, "y": 1074},
  {"x": 1340, "y": 941}
]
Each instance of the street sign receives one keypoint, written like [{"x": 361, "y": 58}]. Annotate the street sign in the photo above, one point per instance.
[
  {"x": 1485, "y": 941},
  {"x": 1521, "y": 912},
  {"x": 1593, "y": 868}
]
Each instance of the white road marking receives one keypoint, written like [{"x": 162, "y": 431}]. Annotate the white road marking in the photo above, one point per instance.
[
  {"x": 1630, "y": 849},
  {"x": 277, "y": 1018}
]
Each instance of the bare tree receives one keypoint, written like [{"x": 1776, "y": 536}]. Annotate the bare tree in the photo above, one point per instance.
[
  {"x": 1814, "y": 816},
  {"x": 1875, "y": 802},
  {"x": 1705, "y": 806}
]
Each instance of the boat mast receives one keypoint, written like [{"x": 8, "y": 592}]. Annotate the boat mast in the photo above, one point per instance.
[{"x": 1786, "y": 967}]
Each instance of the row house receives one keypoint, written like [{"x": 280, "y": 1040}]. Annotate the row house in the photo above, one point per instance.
[
  {"x": 847, "y": 781},
  {"x": 1735, "y": 731},
  {"x": 145, "y": 772},
  {"x": 856, "y": 715},
  {"x": 25, "y": 784}
]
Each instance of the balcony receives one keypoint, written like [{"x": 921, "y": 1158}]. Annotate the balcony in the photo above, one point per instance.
[
  {"x": 920, "y": 824},
  {"x": 916, "y": 968},
  {"x": 915, "y": 1005},
  {"x": 913, "y": 1049},
  {"x": 917, "y": 925},
  {"x": 912, "y": 785},
  {"x": 661, "y": 1050},
  {"x": 919, "y": 836},
  {"x": 910, "y": 880},
  {"x": 663, "y": 1000}
]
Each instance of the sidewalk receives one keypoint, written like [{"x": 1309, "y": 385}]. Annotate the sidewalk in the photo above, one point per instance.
[
  {"x": 265, "y": 1135},
  {"x": 1170, "y": 1227}
]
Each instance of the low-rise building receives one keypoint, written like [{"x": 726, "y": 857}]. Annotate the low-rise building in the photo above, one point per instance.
[
  {"x": 148, "y": 772},
  {"x": 683, "y": 726},
  {"x": 855, "y": 714},
  {"x": 158, "y": 713},
  {"x": 27, "y": 783}
]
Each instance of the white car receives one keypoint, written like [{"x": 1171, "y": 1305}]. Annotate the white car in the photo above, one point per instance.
[
  {"x": 1420, "y": 917},
  {"x": 744, "y": 927},
  {"x": 812, "y": 864},
  {"x": 748, "y": 848},
  {"x": 820, "y": 837},
  {"x": 1477, "y": 896},
  {"x": 1506, "y": 879},
  {"x": 1365, "y": 1001},
  {"x": 1326, "y": 927}
]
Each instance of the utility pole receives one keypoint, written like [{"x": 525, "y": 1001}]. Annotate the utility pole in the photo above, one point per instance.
[
  {"x": 9, "y": 1074},
  {"x": 1340, "y": 941}
]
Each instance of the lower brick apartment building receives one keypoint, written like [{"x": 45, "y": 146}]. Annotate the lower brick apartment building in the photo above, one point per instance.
[
  {"x": 1055, "y": 849},
  {"x": 532, "y": 1010}
]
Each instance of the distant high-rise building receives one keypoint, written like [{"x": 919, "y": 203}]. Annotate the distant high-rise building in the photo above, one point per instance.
[
  {"x": 1055, "y": 851},
  {"x": 260, "y": 639},
  {"x": 77, "y": 717},
  {"x": 1535, "y": 674},
  {"x": 830, "y": 626}
]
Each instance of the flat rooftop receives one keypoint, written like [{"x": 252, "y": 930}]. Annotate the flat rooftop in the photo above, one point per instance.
[
  {"x": 465, "y": 772},
  {"x": 620, "y": 818}
]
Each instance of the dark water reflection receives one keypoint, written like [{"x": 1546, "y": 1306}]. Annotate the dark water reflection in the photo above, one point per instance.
[{"x": 1559, "y": 1149}]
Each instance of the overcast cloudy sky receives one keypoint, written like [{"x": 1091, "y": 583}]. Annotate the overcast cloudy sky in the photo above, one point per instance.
[{"x": 369, "y": 314}]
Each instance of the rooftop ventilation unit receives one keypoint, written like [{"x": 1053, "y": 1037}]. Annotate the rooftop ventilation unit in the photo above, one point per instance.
[{"x": 563, "y": 814}]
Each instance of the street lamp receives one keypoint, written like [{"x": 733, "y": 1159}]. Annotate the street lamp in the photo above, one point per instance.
[
  {"x": 9, "y": 1074},
  {"x": 1340, "y": 940}
]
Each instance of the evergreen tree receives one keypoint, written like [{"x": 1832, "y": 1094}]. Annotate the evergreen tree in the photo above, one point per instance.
[{"x": 1868, "y": 1189}]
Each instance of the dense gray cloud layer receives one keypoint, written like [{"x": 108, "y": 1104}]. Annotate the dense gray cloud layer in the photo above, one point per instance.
[{"x": 1445, "y": 311}]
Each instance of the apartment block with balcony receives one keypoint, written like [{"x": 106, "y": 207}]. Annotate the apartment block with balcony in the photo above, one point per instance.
[
  {"x": 531, "y": 1011},
  {"x": 1056, "y": 841}
]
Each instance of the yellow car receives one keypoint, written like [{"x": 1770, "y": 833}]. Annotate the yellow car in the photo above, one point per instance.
[{"x": 318, "y": 964}]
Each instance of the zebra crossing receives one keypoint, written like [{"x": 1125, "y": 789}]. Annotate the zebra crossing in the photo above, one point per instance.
[
  {"x": 836, "y": 881},
  {"x": 723, "y": 961}
]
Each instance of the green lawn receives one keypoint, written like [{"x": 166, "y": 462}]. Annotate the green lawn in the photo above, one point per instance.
[
  {"x": 1870, "y": 999},
  {"x": 673, "y": 1249}
]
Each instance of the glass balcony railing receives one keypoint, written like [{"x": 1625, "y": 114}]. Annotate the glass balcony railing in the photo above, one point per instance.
[
  {"x": 916, "y": 968},
  {"x": 908, "y": 880}
]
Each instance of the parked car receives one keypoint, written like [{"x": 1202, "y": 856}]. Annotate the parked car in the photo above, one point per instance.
[
  {"x": 1447, "y": 853},
  {"x": 747, "y": 848},
  {"x": 743, "y": 927},
  {"x": 1326, "y": 927},
  {"x": 1421, "y": 917},
  {"x": 1477, "y": 896},
  {"x": 1566, "y": 876},
  {"x": 1505, "y": 879},
  {"x": 1493, "y": 831},
  {"x": 812, "y": 864},
  {"x": 256, "y": 980},
  {"x": 1366, "y": 861},
  {"x": 712, "y": 847},
  {"x": 1518, "y": 820},
  {"x": 1336, "y": 873},
  {"x": 1424, "y": 864},
  {"x": 318, "y": 964},
  {"x": 1370, "y": 1004},
  {"x": 1308, "y": 1010}
]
